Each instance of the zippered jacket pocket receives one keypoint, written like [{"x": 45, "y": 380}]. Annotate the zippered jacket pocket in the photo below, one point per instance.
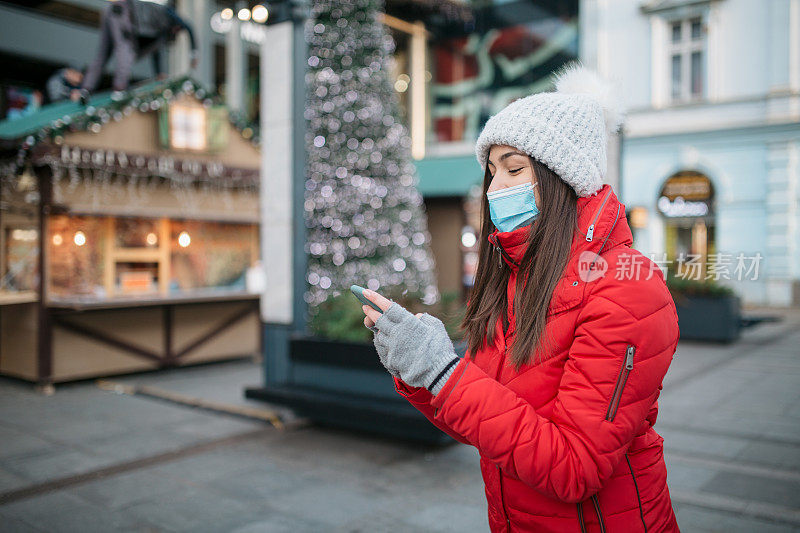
[{"x": 627, "y": 366}]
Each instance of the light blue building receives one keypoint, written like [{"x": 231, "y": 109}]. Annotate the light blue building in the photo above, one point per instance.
[{"x": 711, "y": 146}]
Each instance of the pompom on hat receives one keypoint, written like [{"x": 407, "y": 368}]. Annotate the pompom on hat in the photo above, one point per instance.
[{"x": 566, "y": 129}]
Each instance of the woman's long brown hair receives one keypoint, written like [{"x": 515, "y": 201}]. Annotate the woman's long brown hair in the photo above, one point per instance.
[{"x": 544, "y": 260}]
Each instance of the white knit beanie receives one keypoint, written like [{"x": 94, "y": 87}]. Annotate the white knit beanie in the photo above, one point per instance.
[{"x": 567, "y": 129}]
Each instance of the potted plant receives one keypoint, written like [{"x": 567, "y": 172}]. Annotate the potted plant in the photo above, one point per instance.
[{"x": 706, "y": 310}]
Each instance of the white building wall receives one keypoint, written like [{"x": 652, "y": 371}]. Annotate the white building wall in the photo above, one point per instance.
[
  {"x": 752, "y": 58},
  {"x": 745, "y": 135}
]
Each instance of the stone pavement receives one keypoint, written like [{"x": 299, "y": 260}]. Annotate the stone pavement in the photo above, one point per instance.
[
  {"x": 89, "y": 459},
  {"x": 730, "y": 418}
]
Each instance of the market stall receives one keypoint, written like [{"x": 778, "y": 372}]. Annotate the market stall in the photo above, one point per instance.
[{"x": 141, "y": 216}]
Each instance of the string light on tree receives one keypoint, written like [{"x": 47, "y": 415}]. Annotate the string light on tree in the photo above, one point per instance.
[{"x": 365, "y": 218}]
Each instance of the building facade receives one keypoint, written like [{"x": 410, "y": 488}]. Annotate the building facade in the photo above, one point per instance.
[
  {"x": 711, "y": 147},
  {"x": 507, "y": 51}
]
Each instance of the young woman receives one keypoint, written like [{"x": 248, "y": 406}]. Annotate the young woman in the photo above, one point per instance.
[{"x": 570, "y": 330}]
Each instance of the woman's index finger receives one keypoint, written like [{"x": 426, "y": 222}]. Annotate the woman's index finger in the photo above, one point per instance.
[{"x": 383, "y": 303}]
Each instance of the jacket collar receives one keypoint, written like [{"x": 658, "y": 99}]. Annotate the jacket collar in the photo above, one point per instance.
[{"x": 601, "y": 224}]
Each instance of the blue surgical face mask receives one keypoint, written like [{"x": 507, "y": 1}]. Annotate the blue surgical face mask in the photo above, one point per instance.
[{"x": 513, "y": 207}]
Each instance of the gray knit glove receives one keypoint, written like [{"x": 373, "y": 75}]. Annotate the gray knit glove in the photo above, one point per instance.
[{"x": 417, "y": 350}]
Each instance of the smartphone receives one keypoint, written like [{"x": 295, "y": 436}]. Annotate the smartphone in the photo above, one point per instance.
[{"x": 359, "y": 293}]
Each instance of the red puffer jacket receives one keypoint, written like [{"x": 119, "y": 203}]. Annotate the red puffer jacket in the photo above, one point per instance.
[{"x": 567, "y": 443}]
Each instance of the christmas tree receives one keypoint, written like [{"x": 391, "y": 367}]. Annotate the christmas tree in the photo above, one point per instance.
[{"x": 365, "y": 219}]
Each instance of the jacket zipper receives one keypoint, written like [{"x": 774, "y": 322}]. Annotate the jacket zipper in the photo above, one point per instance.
[
  {"x": 502, "y": 501},
  {"x": 638, "y": 497},
  {"x": 599, "y": 513},
  {"x": 590, "y": 229},
  {"x": 621, "y": 379},
  {"x": 580, "y": 517},
  {"x": 501, "y": 362},
  {"x": 497, "y": 247},
  {"x": 502, "y": 251}
]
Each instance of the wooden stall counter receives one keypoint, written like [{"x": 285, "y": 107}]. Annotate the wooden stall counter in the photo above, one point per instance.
[{"x": 101, "y": 338}]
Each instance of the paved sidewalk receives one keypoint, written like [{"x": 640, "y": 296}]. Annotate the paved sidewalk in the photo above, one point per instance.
[
  {"x": 89, "y": 459},
  {"x": 730, "y": 418}
]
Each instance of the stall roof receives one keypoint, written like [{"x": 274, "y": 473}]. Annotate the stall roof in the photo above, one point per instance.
[
  {"x": 45, "y": 118},
  {"x": 12, "y": 129}
]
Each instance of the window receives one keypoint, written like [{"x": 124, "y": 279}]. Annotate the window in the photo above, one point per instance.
[
  {"x": 21, "y": 259},
  {"x": 187, "y": 127},
  {"x": 106, "y": 257},
  {"x": 190, "y": 126},
  {"x": 75, "y": 255},
  {"x": 686, "y": 62},
  {"x": 211, "y": 255}
]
